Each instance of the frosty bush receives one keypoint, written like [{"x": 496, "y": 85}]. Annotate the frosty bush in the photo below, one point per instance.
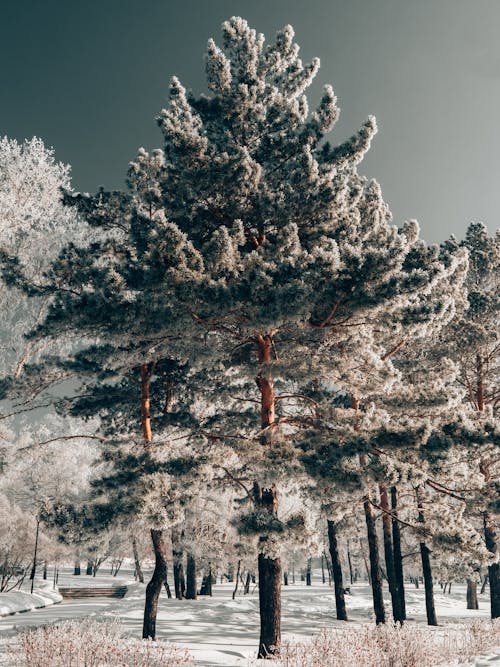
[
  {"x": 393, "y": 646},
  {"x": 91, "y": 644}
]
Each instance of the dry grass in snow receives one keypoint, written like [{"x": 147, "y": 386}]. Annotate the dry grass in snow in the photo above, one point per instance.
[
  {"x": 393, "y": 646},
  {"x": 91, "y": 644}
]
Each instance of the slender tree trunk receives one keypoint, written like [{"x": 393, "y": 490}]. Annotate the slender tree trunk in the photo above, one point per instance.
[
  {"x": 483, "y": 585},
  {"x": 191, "y": 577},
  {"x": 351, "y": 574},
  {"x": 494, "y": 569},
  {"x": 389, "y": 556},
  {"x": 238, "y": 570},
  {"x": 426, "y": 571},
  {"x": 337, "y": 571},
  {"x": 33, "y": 568},
  {"x": 472, "y": 594},
  {"x": 269, "y": 566},
  {"x": 45, "y": 567},
  {"x": 138, "y": 569},
  {"x": 77, "y": 570},
  {"x": 323, "y": 578},
  {"x": 178, "y": 554},
  {"x": 308, "y": 572},
  {"x": 88, "y": 569},
  {"x": 248, "y": 580},
  {"x": 398, "y": 556},
  {"x": 285, "y": 578},
  {"x": 328, "y": 568},
  {"x": 154, "y": 587}
]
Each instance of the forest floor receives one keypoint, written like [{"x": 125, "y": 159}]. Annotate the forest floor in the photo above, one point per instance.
[{"x": 221, "y": 631}]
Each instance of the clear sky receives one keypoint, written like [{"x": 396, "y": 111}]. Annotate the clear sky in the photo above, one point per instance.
[{"x": 89, "y": 77}]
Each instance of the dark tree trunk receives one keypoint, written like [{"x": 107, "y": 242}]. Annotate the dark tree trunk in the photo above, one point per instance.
[
  {"x": 246, "y": 589},
  {"x": 337, "y": 572},
  {"x": 177, "y": 550},
  {"x": 285, "y": 578},
  {"x": 269, "y": 583},
  {"x": 483, "y": 585},
  {"x": 375, "y": 571},
  {"x": 45, "y": 566},
  {"x": 89, "y": 568},
  {"x": 389, "y": 556},
  {"x": 137, "y": 563},
  {"x": 154, "y": 587},
  {"x": 77, "y": 570},
  {"x": 190, "y": 577},
  {"x": 238, "y": 571},
  {"x": 398, "y": 556},
  {"x": 493, "y": 570},
  {"x": 351, "y": 574},
  {"x": 323, "y": 578},
  {"x": 472, "y": 594},
  {"x": 33, "y": 567},
  {"x": 308, "y": 572},
  {"x": 328, "y": 568},
  {"x": 427, "y": 572},
  {"x": 206, "y": 583}
]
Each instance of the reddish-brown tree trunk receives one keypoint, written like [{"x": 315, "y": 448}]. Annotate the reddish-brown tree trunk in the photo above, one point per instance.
[
  {"x": 155, "y": 585},
  {"x": 269, "y": 566},
  {"x": 337, "y": 572}
]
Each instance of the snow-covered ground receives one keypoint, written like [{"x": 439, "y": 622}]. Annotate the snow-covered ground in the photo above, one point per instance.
[{"x": 220, "y": 631}]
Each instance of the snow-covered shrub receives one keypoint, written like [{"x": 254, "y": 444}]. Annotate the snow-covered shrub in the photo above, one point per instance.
[
  {"x": 91, "y": 644},
  {"x": 393, "y": 646}
]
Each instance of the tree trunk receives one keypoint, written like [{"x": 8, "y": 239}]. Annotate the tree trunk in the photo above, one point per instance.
[
  {"x": 269, "y": 566},
  {"x": 285, "y": 578},
  {"x": 308, "y": 572},
  {"x": 398, "y": 556},
  {"x": 472, "y": 594},
  {"x": 483, "y": 585},
  {"x": 190, "y": 577},
  {"x": 33, "y": 567},
  {"x": 77, "y": 570},
  {"x": 269, "y": 583},
  {"x": 389, "y": 556},
  {"x": 426, "y": 571},
  {"x": 248, "y": 580},
  {"x": 494, "y": 569},
  {"x": 238, "y": 570},
  {"x": 89, "y": 568},
  {"x": 154, "y": 587},
  {"x": 337, "y": 572},
  {"x": 375, "y": 571},
  {"x": 323, "y": 578},
  {"x": 351, "y": 574},
  {"x": 45, "y": 567},
  {"x": 177, "y": 550},
  {"x": 138, "y": 569}
]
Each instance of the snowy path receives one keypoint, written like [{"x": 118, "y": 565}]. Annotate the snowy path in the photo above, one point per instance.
[{"x": 219, "y": 631}]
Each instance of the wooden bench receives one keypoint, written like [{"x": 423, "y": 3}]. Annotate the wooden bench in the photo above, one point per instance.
[{"x": 93, "y": 592}]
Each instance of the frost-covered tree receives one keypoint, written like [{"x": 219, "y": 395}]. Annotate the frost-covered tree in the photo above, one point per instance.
[{"x": 247, "y": 246}]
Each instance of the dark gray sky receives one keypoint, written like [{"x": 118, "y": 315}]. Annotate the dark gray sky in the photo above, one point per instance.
[{"x": 89, "y": 77}]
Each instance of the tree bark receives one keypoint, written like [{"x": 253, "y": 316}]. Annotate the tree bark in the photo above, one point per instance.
[
  {"x": 190, "y": 577},
  {"x": 33, "y": 567},
  {"x": 308, "y": 572},
  {"x": 137, "y": 562},
  {"x": 337, "y": 571},
  {"x": 375, "y": 571},
  {"x": 472, "y": 594},
  {"x": 389, "y": 556},
  {"x": 238, "y": 570},
  {"x": 427, "y": 571},
  {"x": 154, "y": 587},
  {"x": 178, "y": 553},
  {"x": 269, "y": 566},
  {"x": 351, "y": 573},
  {"x": 77, "y": 570},
  {"x": 494, "y": 569},
  {"x": 398, "y": 556}
]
